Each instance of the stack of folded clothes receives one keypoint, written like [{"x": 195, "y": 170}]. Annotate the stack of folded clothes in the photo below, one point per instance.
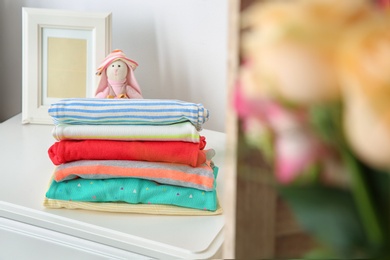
[{"x": 132, "y": 155}]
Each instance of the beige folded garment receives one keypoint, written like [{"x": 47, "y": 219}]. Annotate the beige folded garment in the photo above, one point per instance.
[
  {"x": 185, "y": 132},
  {"x": 129, "y": 208}
]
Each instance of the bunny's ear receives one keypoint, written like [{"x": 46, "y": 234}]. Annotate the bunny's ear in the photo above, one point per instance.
[
  {"x": 132, "y": 81},
  {"x": 103, "y": 83}
]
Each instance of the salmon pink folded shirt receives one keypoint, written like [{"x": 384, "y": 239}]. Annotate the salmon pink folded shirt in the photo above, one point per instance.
[{"x": 158, "y": 151}]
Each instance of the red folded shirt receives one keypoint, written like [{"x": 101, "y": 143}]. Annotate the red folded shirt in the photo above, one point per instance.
[{"x": 157, "y": 151}]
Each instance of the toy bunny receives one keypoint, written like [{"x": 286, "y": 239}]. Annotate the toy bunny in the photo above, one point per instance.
[{"x": 117, "y": 77}]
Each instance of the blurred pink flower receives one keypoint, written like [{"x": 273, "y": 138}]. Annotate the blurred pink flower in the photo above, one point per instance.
[
  {"x": 384, "y": 3},
  {"x": 296, "y": 148}
]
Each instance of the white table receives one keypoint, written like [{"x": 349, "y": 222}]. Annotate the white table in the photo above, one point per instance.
[{"x": 30, "y": 231}]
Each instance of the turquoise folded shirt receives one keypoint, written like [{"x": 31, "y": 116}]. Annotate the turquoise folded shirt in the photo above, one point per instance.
[{"x": 132, "y": 190}]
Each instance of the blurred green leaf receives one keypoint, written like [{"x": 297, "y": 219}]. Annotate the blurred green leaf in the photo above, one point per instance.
[
  {"x": 379, "y": 183},
  {"x": 327, "y": 121},
  {"x": 319, "y": 253},
  {"x": 329, "y": 214}
]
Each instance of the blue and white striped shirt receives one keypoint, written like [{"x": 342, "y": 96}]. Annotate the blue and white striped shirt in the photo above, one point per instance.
[{"x": 94, "y": 111}]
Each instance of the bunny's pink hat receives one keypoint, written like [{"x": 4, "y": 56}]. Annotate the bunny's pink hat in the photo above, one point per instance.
[{"x": 113, "y": 56}]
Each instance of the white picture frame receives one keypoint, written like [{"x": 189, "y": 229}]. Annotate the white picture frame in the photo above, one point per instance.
[{"x": 87, "y": 29}]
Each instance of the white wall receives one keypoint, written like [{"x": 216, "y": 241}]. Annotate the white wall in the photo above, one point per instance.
[{"x": 180, "y": 45}]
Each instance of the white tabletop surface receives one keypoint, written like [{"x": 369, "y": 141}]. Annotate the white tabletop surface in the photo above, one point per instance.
[{"x": 25, "y": 173}]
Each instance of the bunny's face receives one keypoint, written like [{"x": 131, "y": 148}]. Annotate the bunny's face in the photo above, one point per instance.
[{"x": 117, "y": 70}]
